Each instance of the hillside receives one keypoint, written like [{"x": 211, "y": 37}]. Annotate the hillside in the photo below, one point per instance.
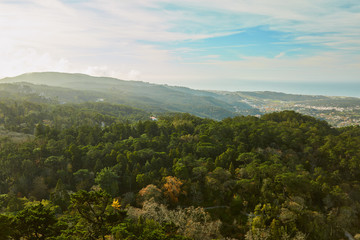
[
  {"x": 80, "y": 88},
  {"x": 152, "y": 97},
  {"x": 89, "y": 173}
]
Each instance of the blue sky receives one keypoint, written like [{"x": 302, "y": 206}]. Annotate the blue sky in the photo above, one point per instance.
[{"x": 204, "y": 44}]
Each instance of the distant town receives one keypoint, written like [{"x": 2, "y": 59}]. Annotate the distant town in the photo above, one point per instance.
[{"x": 334, "y": 115}]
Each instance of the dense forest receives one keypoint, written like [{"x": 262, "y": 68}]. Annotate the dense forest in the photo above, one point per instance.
[{"x": 106, "y": 171}]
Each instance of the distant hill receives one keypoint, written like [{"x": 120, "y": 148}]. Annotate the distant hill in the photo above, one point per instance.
[
  {"x": 77, "y": 88},
  {"x": 80, "y": 88}
]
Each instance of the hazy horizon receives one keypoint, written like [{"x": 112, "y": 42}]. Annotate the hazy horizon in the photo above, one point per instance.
[
  {"x": 314, "y": 88},
  {"x": 306, "y": 47},
  {"x": 329, "y": 89}
]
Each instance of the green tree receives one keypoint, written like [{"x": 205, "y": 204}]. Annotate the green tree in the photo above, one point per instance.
[
  {"x": 36, "y": 222},
  {"x": 6, "y": 227},
  {"x": 60, "y": 196},
  {"x": 108, "y": 180},
  {"x": 91, "y": 207},
  {"x": 84, "y": 179}
]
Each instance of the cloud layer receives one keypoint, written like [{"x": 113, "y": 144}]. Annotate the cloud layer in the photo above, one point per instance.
[{"x": 183, "y": 42}]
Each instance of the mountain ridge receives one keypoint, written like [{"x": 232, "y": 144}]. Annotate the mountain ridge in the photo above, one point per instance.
[
  {"x": 69, "y": 77},
  {"x": 134, "y": 93},
  {"x": 157, "y": 98}
]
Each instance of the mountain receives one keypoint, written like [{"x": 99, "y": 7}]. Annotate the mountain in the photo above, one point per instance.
[
  {"x": 77, "y": 88},
  {"x": 80, "y": 88}
]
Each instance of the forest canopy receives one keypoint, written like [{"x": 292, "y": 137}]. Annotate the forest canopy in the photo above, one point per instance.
[{"x": 105, "y": 171}]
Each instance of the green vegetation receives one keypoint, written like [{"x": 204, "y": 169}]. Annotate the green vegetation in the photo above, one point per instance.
[
  {"x": 104, "y": 171},
  {"x": 60, "y": 88},
  {"x": 80, "y": 88}
]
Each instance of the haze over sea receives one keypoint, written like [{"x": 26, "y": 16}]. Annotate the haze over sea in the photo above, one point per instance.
[{"x": 310, "y": 88}]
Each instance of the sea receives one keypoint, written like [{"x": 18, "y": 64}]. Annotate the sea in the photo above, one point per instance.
[{"x": 346, "y": 89}]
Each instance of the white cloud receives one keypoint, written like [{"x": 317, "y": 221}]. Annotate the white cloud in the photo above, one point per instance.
[
  {"x": 228, "y": 75},
  {"x": 307, "y": 69},
  {"x": 320, "y": 21},
  {"x": 101, "y": 71},
  {"x": 134, "y": 74},
  {"x": 22, "y": 60},
  {"x": 280, "y": 55},
  {"x": 113, "y": 38},
  {"x": 106, "y": 71}
]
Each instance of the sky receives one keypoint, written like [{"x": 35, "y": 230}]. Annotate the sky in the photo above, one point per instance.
[{"x": 304, "y": 46}]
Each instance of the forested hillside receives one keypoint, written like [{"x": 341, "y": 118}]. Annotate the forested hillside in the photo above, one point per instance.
[
  {"x": 53, "y": 87},
  {"x": 102, "y": 171},
  {"x": 79, "y": 88}
]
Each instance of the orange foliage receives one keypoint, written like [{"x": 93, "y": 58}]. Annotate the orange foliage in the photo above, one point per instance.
[
  {"x": 148, "y": 192},
  {"x": 172, "y": 188}
]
